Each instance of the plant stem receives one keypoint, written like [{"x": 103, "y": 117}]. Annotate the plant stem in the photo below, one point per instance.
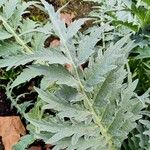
[
  {"x": 18, "y": 39},
  {"x": 89, "y": 102}
]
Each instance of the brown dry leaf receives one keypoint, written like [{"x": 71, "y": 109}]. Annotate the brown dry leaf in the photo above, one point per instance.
[
  {"x": 55, "y": 43},
  {"x": 67, "y": 17},
  {"x": 11, "y": 128},
  {"x": 31, "y": 86},
  {"x": 68, "y": 67}
]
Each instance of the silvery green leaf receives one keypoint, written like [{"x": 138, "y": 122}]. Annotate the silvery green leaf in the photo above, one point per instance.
[
  {"x": 9, "y": 8},
  {"x": 24, "y": 142},
  {"x": 74, "y": 27},
  {"x": 63, "y": 107},
  {"x": 4, "y": 35},
  {"x": 8, "y": 49},
  {"x": 52, "y": 73},
  {"x": 2, "y": 2},
  {"x": 52, "y": 57},
  {"x": 58, "y": 24}
]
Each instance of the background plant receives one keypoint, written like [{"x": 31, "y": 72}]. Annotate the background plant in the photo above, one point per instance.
[{"x": 132, "y": 17}]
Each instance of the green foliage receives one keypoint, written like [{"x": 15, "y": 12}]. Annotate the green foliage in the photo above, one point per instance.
[
  {"x": 132, "y": 17},
  {"x": 139, "y": 58},
  {"x": 53, "y": 73},
  {"x": 24, "y": 142},
  {"x": 95, "y": 107}
]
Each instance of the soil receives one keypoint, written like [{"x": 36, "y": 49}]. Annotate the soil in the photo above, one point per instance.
[
  {"x": 77, "y": 7},
  {"x": 5, "y": 106}
]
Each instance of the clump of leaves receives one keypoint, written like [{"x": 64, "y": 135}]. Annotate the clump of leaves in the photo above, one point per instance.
[
  {"x": 80, "y": 108},
  {"x": 132, "y": 17}
]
